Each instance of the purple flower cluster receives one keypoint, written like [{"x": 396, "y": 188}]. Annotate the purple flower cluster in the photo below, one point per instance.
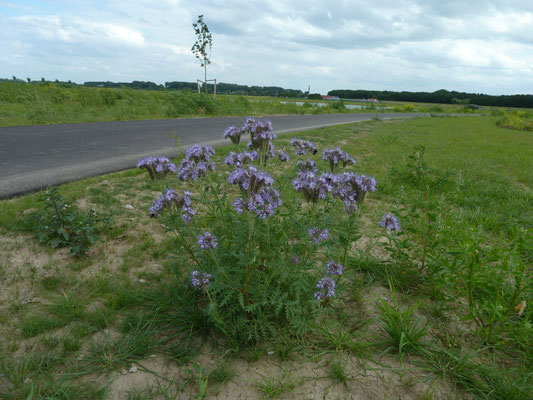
[
  {"x": 207, "y": 241},
  {"x": 169, "y": 198},
  {"x": 200, "y": 280},
  {"x": 326, "y": 287},
  {"x": 282, "y": 156},
  {"x": 241, "y": 159},
  {"x": 233, "y": 133},
  {"x": 261, "y": 134},
  {"x": 307, "y": 165},
  {"x": 303, "y": 146},
  {"x": 157, "y": 167},
  {"x": 199, "y": 153},
  {"x": 336, "y": 156},
  {"x": 259, "y": 195},
  {"x": 390, "y": 222},
  {"x": 196, "y": 163},
  {"x": 250, "y": 180},
  {"x": 313, "y": 187},
  {"x": 318, "y": 235},
  {"x": 334, "y": 268},
  {"x": 352, "y": 188},
  {"x": 263, "y": 203}
]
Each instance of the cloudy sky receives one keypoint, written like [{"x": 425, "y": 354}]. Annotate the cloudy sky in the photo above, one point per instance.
[{"x": 466, "y": 45}]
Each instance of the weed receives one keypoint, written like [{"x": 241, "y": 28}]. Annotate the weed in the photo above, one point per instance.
[
  {"x": 61, "y": 224},
  {"x": 273, "y": 387},
  {"x": 52, "y": 282},
  {"x": 67, "y": 307},
  {"x": 198, "y": 374},
  {"x": 37, "y": 323},
  {"x": 403, "y": 333},
  {"x": 222, "y": 373},
  {"x": 338, "y": 372},
  {"x": 109, "y": 353}
]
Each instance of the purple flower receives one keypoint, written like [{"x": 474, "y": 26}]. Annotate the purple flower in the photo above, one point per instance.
[
  {"x": 282, "y": 156},
  {"x": 199, "y": 153},
  {"x": 352, "y": 188},
  {"x": 303, "y": 146},
  {"x": 337, "y": 156},
  {"x": 334, "y": 268},
  {"x": 157, "y": 167},
  {"x": 327, "y": 288},
  {"x": 390, "y": 222},
  {"x": 312, "y": 186},
  {"x": 264, "y": 203},
  {"x": 241, "y": 159},
  {"x": 256, "y": 186},
  {"x": 200, "y": 280},
  {"x": 169, "y": 198},
  {"x": 307, "y": 165},
  {"x": 318, "y": 235},
  {"x": 207, "y": 241},
  {"x": 233, "y": 133},
  {"x": 250, "y": 180},
  {"x": 192, "y": 170},
  {"x": 261, "y": 135}
]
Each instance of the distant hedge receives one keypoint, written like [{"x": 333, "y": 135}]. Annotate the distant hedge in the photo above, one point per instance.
[{"x": 439, "y": 96}]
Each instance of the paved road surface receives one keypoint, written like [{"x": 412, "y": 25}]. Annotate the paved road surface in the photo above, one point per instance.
[{"x": 32, "y": 157}]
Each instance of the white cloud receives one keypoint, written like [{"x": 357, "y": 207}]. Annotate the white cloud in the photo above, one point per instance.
[{"x": 385, "y": 44}]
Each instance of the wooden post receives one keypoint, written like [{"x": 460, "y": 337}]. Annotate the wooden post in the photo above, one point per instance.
[{"x": 198, "y": 84}]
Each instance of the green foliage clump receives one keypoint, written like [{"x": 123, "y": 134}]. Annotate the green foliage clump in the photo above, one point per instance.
[
  {"x": 515, "y": 120},
  {"x": 61, "y": 224}
]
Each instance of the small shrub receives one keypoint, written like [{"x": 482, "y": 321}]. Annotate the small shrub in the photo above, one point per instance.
[
  {"x": 60, "y": 224},
  {"x": 515, "y": 120}
]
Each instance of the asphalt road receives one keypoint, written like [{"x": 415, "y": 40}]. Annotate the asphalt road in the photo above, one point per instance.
[{"x": 32, "y": 157}]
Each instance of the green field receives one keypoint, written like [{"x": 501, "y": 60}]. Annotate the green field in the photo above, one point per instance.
[
  {"x": 441, "y": 309},
  {"x": 51, "y": 103}
]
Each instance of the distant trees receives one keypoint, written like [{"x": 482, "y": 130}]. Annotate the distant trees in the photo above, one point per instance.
[
  {"x": 146, "y": 85},
  {"x": 439, "y": 96},
  {"x": 233, "y": 88}
]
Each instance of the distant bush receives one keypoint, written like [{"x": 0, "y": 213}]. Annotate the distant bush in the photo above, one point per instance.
[{"x": 515, "y": 120}]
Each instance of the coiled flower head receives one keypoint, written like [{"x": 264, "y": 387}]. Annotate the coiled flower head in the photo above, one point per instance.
[
  {"x": 337, "y": 156},
  {"x": 207, "y": 241},
  {"x": 318, "y": 235},
  {"x": 303, "y": 146},
  {"x": 334, "y": 268},
  {"x": 307, "y": 166},
  {"x": 233, "y": 133},
  {"x": 241, "y": 159},
  {"x": 390, "y": 222},
  {"x": 200, "y": 280},
  {"x": 326, "y": 287},
  {"x": 312, "y": 186},
  {"x": 157, "y": 167},
  {"x": 172, "y": 198}
]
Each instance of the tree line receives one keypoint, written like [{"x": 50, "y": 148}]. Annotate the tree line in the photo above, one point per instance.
[
  {"x": 222, "y": 88},
  {"x": 440, "y": 96}
]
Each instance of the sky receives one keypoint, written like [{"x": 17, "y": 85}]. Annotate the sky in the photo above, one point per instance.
[{"x": 464, "y": 45}]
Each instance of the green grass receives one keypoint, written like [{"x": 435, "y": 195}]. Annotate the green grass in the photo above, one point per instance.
[
  {"x": 51, "y": 103},
  {"x": 480, "y": 193}
]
